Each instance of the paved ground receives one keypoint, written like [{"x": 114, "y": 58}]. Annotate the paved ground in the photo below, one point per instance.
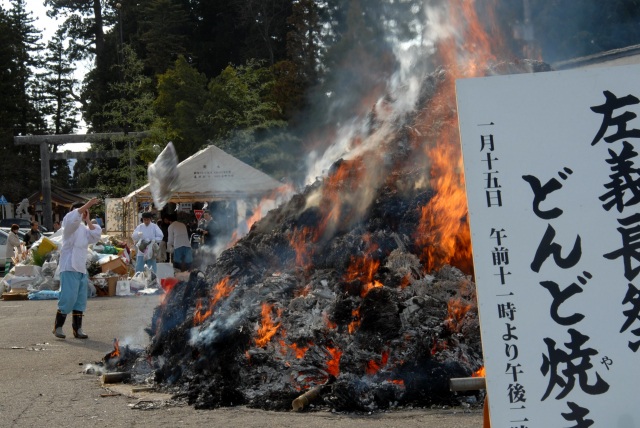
[{"x": 42, "y": 380}]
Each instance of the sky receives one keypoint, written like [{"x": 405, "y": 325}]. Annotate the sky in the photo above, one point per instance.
[{"x": 48, "y": 27}]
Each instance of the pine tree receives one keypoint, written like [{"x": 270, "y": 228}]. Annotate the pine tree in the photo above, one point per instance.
[
  {"x": 163, "y": 33},
  {"x": 58, "y": 86},
  {"x": 19, "y": 47}
]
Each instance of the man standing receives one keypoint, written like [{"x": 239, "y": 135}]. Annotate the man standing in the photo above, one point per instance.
[
  {"x": 147, "y": 236},
  {"x": 32, "y": 235},
  {"x": 77, "y": 235},
  {"x": 163, "y": 224},
  {"x": 178, "y": 243},
  {"x": 208, "y": 229}
]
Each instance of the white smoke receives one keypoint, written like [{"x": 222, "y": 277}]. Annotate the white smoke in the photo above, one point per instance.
[
  {"x": 218, "y": 328},
  {"x": 403, "y": 88}
]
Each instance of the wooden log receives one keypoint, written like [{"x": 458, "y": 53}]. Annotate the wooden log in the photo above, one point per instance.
[
  {"x": 115, "y": 377},
  {"x": 302, "y": 401},
  {"x": 467, "y": 383}
]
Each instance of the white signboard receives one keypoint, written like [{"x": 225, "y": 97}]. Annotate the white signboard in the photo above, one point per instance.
[{"x": 553, "y": 183}]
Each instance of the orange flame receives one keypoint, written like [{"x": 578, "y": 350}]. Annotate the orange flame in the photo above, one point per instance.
[
  {"x": 268, "y": 328},
  {"x": 353, "y": 325},
  {"x": 406, "y": 280},
  {"x": 333, "y": 365},
  {"x": 443, "y": 231},
  {"x": 222, "y": 289},
  {"x": 299, "y": 351},
  {"x": 337, "y": 188},
  {"x": 116, "y": 349},
  {"x": 330, "y": 324},
  {"x": 281, "y": 193},
  {"x": 456, "y": 311},
  {"x": 302, "y": 292},
  {"x": 374, "y": 367},
  {"x": 299, "y": 241},
  {"x": 479, "y": 373},
  {"x": 364, "y": 268}
]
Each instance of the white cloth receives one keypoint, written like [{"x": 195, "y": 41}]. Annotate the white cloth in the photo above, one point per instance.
[
  {"x": 146, "y": 233},
  {"x": 177, "y": 236},
  {"x": 76, "y": 238}
]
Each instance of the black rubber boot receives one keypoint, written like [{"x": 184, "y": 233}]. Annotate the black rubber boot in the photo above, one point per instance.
[
  {"x": 76, "y": 324},
  {"x": 57, "y": 327}
]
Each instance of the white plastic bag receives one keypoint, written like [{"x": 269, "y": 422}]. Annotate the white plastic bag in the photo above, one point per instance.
[
  {"x": 163, "y": 176},
  {"x": 123, "y": 288}
]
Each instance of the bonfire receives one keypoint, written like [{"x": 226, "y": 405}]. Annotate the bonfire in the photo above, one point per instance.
[{"x": 359, "y": 288}]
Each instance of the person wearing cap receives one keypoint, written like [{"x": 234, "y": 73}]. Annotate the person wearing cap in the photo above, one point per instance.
[
  {"x": 146, "y": 234},
  {"x": 77, "y": 234}
]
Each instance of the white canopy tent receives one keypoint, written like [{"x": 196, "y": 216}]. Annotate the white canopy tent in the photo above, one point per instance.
[
  {"x": 209, "y": 175},
  {"x": 212, "y": 174}
]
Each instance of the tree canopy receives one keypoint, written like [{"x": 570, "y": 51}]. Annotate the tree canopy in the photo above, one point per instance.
[{"x": 247, "y": 75}]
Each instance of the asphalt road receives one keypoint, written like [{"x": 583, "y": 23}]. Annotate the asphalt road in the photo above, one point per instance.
[{"x": 43, "y": 379}]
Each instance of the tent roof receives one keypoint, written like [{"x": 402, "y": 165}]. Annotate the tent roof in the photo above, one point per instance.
[{"x": 212, "y": 174}]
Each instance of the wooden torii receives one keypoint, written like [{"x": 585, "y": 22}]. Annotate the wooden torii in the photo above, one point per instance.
[{"x": 45, "y": 156}]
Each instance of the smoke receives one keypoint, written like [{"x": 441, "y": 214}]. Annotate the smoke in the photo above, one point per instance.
[{"x": 219, "y": 328}]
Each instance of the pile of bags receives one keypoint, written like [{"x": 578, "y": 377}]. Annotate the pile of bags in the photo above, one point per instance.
[{"x": 36, "y": 273}]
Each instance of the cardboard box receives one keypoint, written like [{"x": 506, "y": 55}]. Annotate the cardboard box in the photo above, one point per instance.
[
  {"x": 112, "y": 282},
  {"x": 117, "y": 266},
  {"x": 106, "y": 286},
  {"x": 27, "y": 270}
]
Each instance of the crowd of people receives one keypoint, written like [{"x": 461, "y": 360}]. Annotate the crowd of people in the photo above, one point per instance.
[
  {"x": 170, "y": 239},
  {"x": 167, "y": 239}
]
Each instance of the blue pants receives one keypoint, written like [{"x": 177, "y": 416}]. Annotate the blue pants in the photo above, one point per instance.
[
  {"x": 140, "y": 262},
  {"x": 73, "y": 292},
  {"x": 182, "y": 255}
]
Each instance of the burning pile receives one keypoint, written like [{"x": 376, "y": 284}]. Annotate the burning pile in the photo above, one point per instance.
[
  {"x": 278, "y": 315},
  {"x": 360, "y": 300},
  {"x": 358, "y": 289}
]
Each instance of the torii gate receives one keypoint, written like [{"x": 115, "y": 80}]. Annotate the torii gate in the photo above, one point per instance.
[{"x": 45, "y": 156}]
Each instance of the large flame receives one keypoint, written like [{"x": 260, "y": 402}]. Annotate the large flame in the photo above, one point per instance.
[
  {"x": 221, "y": 290},
  {"x": 268, "y": 327},
  {"x": 443, "y": 231}
]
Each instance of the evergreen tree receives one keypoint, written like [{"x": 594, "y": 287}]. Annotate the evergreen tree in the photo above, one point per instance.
[
  {"x": 129, "y": 110},
  {"x": 267, "y": 28},
  {"x": 163, "y": 34},
  {"x": 182, "y": 94},
  {"x": 58, "y": 86},
  {"x": 19, "y": 47},
  {"x": 305, "y": 44}
]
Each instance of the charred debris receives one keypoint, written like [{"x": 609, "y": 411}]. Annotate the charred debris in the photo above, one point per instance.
[{"x": 346, "y": 313}]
